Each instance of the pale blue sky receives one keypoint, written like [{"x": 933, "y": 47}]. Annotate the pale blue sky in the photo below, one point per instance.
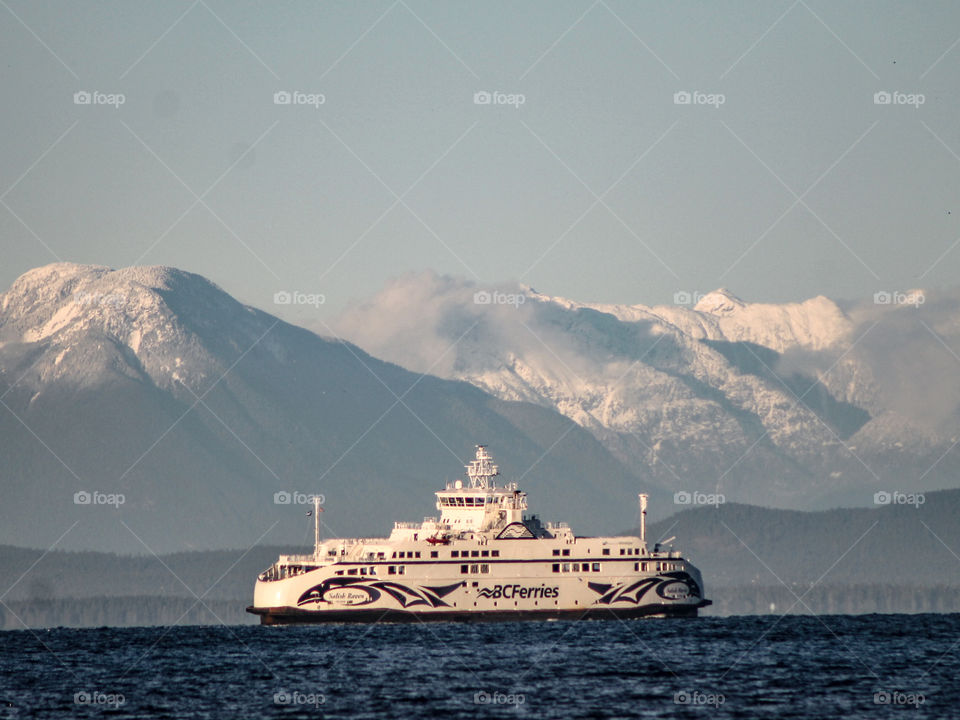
[{"x": 691, "y": 197}]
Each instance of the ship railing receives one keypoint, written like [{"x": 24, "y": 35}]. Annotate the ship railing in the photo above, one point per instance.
[{"x": 402, "y": 525}]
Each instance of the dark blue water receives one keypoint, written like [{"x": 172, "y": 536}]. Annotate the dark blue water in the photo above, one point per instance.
[{"x": 870, "y": 666}]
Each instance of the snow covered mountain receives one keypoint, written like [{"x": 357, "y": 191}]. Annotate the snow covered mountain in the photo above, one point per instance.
[
  {"x": 802, "y": 405},
  {"x": 145, "y": 409}
]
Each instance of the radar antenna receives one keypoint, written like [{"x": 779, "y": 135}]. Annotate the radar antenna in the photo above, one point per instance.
[{"x": 481, "y": 470}]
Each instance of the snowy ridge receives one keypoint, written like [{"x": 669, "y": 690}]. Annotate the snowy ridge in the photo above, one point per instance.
[{"x": 766, "y": 401}]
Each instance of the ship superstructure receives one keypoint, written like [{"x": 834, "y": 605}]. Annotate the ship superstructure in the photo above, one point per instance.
[{"x": 484, "y": 557}]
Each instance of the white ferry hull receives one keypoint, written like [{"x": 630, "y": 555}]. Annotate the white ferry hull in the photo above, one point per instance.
[{"x": 311, "y": 598}]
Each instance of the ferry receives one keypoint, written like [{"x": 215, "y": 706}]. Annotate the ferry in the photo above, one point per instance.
[{"x": 484, "y": 558}]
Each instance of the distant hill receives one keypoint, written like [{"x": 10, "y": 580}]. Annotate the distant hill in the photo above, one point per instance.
[
  {"x": 898, "y": 565},
  {"x": 738, "y": 545}
]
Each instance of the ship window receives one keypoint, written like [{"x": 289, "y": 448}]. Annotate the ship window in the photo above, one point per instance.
[
  {"x": 566, "y": 553},
  {"x": 596, "y": 567},
  {"x": 474, "y": 584},
  {"x": 475, "y": 553},
  {"x": 484, "y": 553},
  {"x": 394, "y": 555},
  {"x": 434, "y": 553},
  {"x": 566, "y": 567},
  {"x": 401, "y": 569},
  {"x": 460, "y": 501},
  {"x": 339, "y": 572},
  {"x": 463, "y": 569},
  {"x": 621, "y": 551},
  {"x": 556, "y": 551},
  {"x": 417, "y": 554},
  {"x": 380, "y": 556},
  {"x": 352, "y": 572},
  {"x": 474, "y": 569},
  {"x": 556, "y": 567},
  {"x": 495, "y": 553},
  {"x": 636, "y": 566},
  {"x": 484, "y": 568},
  {"x": 454, "y": 553},
  {"x": 606, "y": 551},
  {"x": 643, "y": 567},
  {"x": 658, "y": 567},
  {"x": 402, "y": 554},
  {"x": 392, "y": 570}
]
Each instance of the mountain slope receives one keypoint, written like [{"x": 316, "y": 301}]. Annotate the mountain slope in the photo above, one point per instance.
[
  {"x": 798, "y": 405},
  {"x": 155, "y": 384}
]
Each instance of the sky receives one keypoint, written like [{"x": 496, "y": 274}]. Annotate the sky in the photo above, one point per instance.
[{"x": 605, "y": 151}]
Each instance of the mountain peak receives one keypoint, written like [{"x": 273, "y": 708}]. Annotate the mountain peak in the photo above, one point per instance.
[{"x": 719, "y": 302}]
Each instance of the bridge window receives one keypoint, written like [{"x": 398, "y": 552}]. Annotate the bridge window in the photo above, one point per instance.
[
  {"x": 566, "y": 553},
  {"x": 495, "y": 553},
  {"x": 474, "y": 553},
  {"x": 566, "y": 567},
  {"x": 454, "y": 553},
  {"x": 606, "y": 551},
  {"x": 434, "y": 553},
  {"x": 556, "y": 567},
  {"x": 464, "y": 569},
  {"x": 484, "y": 553},
  {"x": 484, "y": 568},
  {"x": 556, "y": 551},
  {"x": 417, "y": 554},
  {"x": 352, "y": 571},
  {"x": 596, "y": 567}
]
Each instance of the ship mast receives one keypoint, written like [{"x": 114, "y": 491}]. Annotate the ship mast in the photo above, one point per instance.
[
  {"x": 482, "y": 470},
  {"x": 316, "y": 527},
  {"x": 643, "y": 516}
]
